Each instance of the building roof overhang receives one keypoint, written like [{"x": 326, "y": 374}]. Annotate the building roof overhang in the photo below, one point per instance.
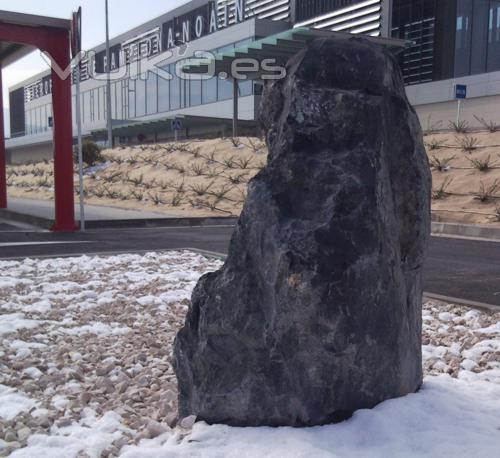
[
  {"x": 11, "y": 51},
  {"x": 280, "y": 47},
  {"x": 132, "y": 128}
]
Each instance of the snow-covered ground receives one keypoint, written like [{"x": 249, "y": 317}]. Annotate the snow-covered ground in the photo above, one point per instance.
[{"x": 85, "y": 370}]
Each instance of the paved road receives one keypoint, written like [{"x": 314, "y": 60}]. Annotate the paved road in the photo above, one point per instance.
[{"x": 465, "y": 269}]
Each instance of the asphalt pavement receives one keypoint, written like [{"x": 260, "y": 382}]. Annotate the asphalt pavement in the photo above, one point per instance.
[{"x": 465, "y": 269}]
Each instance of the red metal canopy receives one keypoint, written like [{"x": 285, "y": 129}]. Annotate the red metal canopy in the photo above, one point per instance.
[{"x": 19, "y": 35}]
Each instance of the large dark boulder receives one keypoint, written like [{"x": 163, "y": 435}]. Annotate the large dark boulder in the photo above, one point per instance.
[{"x": 317, "y": 310}]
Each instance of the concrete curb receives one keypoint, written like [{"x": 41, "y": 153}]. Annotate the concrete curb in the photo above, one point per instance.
[
  {"x": 465, "y": 302},
  {"x": 466, "y": 231},
  {"x": 32, "y": 220},
  {"x": 46, "y": 223},
  {"x": 439, "y": 229}
]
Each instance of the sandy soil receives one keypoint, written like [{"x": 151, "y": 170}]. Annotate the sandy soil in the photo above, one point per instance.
[
  {"x": 456, "y": 160},
  {"x": 210, "y": 177},
  {"x": 195, "y": 178}
]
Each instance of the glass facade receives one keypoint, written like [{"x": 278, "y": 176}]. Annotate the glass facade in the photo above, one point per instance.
[
  {"x": 145, "y": 95},
  {"x": 37, "y": 119},
  {"x": 415, "y": 20},
  {"x": 307, "y": 9},
  {"x": 477, "y": 42},
  {"x": 451, "y": 38}
]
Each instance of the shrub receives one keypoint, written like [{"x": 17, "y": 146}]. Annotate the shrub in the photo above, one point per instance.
[
  {"x": 440, "y": 192},
  {"x": 487, "y": 193},
  {"x": 482, "y": 165},
  {"x": 460, "y": 127},
  {"x": 491, "y": 126},
  {"x": 468, "y": 144},
  {"x": 441, "y": 165},
  {"x": 91, "y": 153}
]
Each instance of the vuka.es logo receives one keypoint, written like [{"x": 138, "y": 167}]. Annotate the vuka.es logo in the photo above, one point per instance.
[{"x": 269, "y": 69}]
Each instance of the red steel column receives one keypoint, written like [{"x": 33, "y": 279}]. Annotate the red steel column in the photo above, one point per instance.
[
  {"x": 3, "y": 175},
  {"x": 63, "y": 141}
]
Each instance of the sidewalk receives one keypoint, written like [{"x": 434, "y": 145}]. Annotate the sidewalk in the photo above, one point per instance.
[
  {"x": 41, "y": 213},
  {"x": 45, "y": 209}
]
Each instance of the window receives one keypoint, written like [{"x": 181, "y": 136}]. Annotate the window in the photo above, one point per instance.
[
  {"x": 224, "y": 86},
  {"x": 493, "y": 63},
  {"x": 131, "y": 98},
  {"x": 175, "y": 89},
  {"x": 163, "y": 93},
  {"x": 140, "y": 97},
  {"x": 195, "y": 92},
  {"x": 209, "y": 90},
  {"x": 479, "y": 37},
  {"x": 152, "y": 93}
]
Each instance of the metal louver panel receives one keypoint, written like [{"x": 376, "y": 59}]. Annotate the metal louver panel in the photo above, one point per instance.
[
  {"x": 357, "y": 17},
  {"x": 277, "y": 10}
]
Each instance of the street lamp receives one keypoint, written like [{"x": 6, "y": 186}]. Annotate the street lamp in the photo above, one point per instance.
[{"x": 108, "y": 83}]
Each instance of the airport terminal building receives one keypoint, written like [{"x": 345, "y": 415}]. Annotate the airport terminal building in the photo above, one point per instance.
[{"x": 452, "y": 41}]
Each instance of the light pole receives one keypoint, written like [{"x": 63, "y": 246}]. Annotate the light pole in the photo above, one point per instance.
[{"x": 108, "y": 84}]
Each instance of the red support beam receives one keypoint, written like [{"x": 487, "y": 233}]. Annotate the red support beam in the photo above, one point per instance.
[
  {"x": 55, "y": 41},
  {"x": 3, "y": 175},
  {"x": 63, "y": 140}
]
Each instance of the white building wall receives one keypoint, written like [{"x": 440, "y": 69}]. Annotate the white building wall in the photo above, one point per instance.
[{"x": 435, "y": 101}]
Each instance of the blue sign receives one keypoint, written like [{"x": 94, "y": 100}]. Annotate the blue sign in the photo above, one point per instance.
[
  {"x": 176, "y": 124},
  {"x": 460, "y": 91}
]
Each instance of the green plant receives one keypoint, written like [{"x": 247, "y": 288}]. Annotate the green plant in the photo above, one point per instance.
[
  {"x": 441, "y": 165},
  {"x": 176, "y": 200},
  {"x": 210, "y": 157},
  {"x": 229, "y": 162},
  {"x": 220, "y": 193},
  {"x": 243, "y": 163},
  {"x": 440, "y": 192},
  {"x": 179, "y": 168},
  {"x": 38, "y": 172},
  {"x": 434, "y": 144},
  {"x": 483, "y": 165},
  {"x": 111, "y": 177},
  {"x": 460, "y": 127},
  {"x": 201, "y": 189},
  {"x": 468, "y": 144},
  {"x": 198, "y": 169},
  {"x": 111, "y": 193},
  {"x": 196, "y": 152},
  {"x": 164, "y": 185},
  {"x": 137, "y": 195},
  {"x": 138, "y": 180},
  {"x": 491, "y": 126},
  {"x": 487, "y": 193},
  {"x": 235, "y": 142},
  {"x": 180, "y": 187},
  {"x": 157, "y": 199},
  {"x": 238, "y": 179},
  {"x": 91, "y": 153}
]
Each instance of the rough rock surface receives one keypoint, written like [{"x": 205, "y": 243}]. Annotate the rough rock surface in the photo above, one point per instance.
[{"x": 317, "y": 310}]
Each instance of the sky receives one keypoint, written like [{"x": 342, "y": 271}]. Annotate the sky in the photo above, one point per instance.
[{"x": 124, "y": 15}]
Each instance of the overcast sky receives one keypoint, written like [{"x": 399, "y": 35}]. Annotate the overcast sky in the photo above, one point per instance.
[{"x": 124, "y": 15}]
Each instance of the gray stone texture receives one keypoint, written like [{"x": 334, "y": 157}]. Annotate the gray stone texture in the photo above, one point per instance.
[{"x": 317, "y": 310}]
